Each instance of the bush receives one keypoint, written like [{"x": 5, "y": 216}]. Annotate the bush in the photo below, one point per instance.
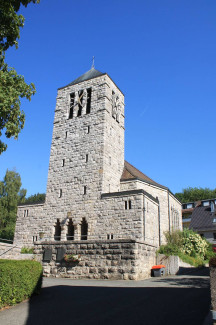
[
  {"x": 189, "y": 246},
  {"x": 27, "y": 250},
  {"x": 19, "y": 280}
]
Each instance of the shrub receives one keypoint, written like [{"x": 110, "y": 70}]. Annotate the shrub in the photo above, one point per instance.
[
  {"x": 189, "y": 246},
  {"x": 27, "y": 250},
  {"x": 19, "y": 280}
]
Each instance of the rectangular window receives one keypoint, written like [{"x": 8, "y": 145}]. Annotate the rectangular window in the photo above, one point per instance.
[
  {"x": 214, "y": 235},
  {"x": 214, "y": 220},
  {"x": 206, "y": 203},
  {"x": 72, "y": 97},
  {"x": 66, "y": 135},
  {"x": 189, "y": 206},
  {"x": 60, "y": 193},
  {"x": 25, "y": 213},
  {"x": 129, "y": 203},
  {"x": 125, "y": 205},
  {"x": 88, "y": 106},
  {"x": 108, "y": 236},
  {"x": 111, "y": 236},
  {"x": 88, "y": 129},
  {"x": 63, "y": 162},
  {"x": 86, "y": 157},
  {"x": 84, "y": 190}
]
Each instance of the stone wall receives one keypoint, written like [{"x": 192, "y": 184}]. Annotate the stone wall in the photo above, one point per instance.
[
  {"x": 122, "y": 259},
  {"x": 13, "y": 252},
  {"x": 173, "y": 264},
  {"x": 170, "y": 207}
]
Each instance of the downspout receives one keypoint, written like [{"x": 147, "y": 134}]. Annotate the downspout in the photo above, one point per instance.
[
  {"x": 168, "y": 210},
  {"x": 159, "y": 228},
  {"x": 144, "y": 217}
]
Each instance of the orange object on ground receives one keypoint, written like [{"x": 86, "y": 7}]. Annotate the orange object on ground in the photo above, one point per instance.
[{"x": 158, "y": 266}]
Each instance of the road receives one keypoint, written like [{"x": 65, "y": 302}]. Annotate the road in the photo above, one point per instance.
[{"x": 172, "y": 300}]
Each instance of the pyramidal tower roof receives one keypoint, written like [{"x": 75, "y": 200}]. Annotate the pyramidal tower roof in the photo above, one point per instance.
[{"x": 92, "y": 73}]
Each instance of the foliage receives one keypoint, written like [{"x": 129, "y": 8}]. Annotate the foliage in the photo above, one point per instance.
[
  {"x": 36, "y": 198},
  {"x": 19, "y": 280},
  {"x": 189, "y": 246},
  {"x": 7, "y": 232},
  {"x": 27, "y": 250},
  {"x": 12, "y": 85},
  {"x": 10, "y": 195},
  {"x": 195, "y": 194},
  {"x": 72, "y": 258}
]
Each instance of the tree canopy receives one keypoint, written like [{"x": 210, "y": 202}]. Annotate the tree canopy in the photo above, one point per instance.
[
  {"x": 191, "y": 194},
  {"x": 12, "y": 86},
  {"x": 10, "y": 194}
]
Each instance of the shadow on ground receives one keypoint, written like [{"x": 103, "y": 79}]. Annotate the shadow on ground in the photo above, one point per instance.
[{"x": 122, "y": 305}]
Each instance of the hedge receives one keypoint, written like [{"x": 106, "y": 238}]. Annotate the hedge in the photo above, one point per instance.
[{"x": 19, "y": 280}]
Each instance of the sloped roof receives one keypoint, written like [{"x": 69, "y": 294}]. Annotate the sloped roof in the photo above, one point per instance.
[
  {"x": 202, "y": 218},
  {"x": 131, "y": 172},
  {"x": 92, "y": 73}
]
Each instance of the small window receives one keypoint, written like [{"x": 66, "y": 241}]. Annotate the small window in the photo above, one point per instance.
[
  {"x": 63, "y": 162},
  {"x": 66, "y": 135},
  {"x": 72, "y": 97},
  {"x": 88, "y": 106},
  {"x": 125, "y": 205},
  {"x": 70, "y": 228},
  {"x": 111, "y": 236},
  {"x": 25, "y": 213},
  {"x": 189, "y": 206},
  {"x": 88, "y": 129},
  {"x": 129, "y": 203},
  {"x": 34, "y": 238},
  {"x": 57, "y": 234},
  {"x": 108, "y": 236},
  {"x": 86, "y": 158},
  {"x": 84, "y": 190},
  {"x": 214, "y": 220},
  {"x": 206, "y": 203},
  {"x": 214, "y": 235},
  {"x": 60, "y": 193},
  {"x": 84, "y": 229}
]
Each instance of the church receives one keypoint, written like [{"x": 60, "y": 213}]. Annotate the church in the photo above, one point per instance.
[{"x": 97, "y": 204}]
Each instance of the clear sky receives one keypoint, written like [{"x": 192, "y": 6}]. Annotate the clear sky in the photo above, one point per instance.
[{"x": 161, "y": 54}]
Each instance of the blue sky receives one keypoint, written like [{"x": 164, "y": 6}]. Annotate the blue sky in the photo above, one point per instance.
[{"x": 161, "y": 54}]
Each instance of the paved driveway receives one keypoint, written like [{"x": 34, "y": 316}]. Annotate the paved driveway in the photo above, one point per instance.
[{"x": 161, "y": 301}]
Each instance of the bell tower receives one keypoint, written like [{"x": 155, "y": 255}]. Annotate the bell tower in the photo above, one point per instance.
[{"x": 87, "y": 150}]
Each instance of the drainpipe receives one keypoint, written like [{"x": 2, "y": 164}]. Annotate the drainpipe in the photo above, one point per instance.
[
  {"x": 168, "y": 210},
  {"x": 159, "y": 228},
  {"x": 144, "y": 217}
]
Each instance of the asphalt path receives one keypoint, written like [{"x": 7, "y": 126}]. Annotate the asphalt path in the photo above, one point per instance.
[{"x": 169, "y": 300}]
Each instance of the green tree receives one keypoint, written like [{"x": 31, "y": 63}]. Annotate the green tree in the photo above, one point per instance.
[
  {"x": 12, "y": 85},
  {"x": 36, "y": 198},
  {"x": 195, "y": 194},
  {"x": 10, "y": 194}
]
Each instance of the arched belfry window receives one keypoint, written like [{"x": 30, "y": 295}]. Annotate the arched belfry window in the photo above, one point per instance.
[
  {"x": 84, "y": 229},
  {"x": 70, "y": 230},
  {"x": 57, "y": 235}
]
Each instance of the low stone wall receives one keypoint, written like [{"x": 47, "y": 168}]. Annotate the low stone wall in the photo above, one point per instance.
[
  {"x": 173, "y": 264},
  {"x": 104, "y": 259},
  {"x": 13, "y": 252}
]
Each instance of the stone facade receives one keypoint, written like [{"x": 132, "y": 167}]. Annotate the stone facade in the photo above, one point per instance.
[
  {"x": 92, "y": 193},
  {"x": 120, "y": 260}
]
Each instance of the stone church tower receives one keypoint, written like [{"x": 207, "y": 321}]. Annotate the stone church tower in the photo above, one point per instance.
[{"x": 92, "y": 194}]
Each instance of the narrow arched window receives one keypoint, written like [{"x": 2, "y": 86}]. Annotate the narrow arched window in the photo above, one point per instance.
[
  {"x": 84, "y": 229},
  {"x": 70, "y": 230},
  {"x": 57, "y": 235}
]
